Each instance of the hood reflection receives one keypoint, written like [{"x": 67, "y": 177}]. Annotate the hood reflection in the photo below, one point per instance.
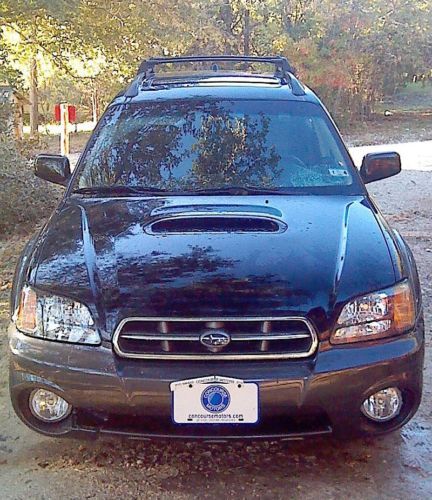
[{"x": 211, "y": 274}]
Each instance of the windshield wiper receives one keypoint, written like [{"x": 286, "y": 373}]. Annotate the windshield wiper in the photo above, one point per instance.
[
  {"x": 229, "y": 190},
  {"x": 119, "y": 190},
  {"x": 236, "y": 190}
]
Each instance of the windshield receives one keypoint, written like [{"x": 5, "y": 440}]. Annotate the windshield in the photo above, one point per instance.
[{"x": 190, "y": 145}]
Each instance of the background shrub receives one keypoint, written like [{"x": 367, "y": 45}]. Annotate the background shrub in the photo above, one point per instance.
[{"x": 25, "y": 200}]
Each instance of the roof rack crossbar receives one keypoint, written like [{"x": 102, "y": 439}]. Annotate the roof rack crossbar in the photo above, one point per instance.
[
  {"x": 146, "y": 72},
  {"x": 282, "y": 65}
]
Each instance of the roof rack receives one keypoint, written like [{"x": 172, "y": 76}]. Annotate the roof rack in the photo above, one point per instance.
[
  {"x": 146, "y": 70},
  {"x": 147, "y": 67}
]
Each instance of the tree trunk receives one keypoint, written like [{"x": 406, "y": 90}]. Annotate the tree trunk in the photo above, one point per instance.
[
  {"x": 95, "y": 105},
  {"x": 34, "y": 100},
  {"x": 246, "y": 33}
]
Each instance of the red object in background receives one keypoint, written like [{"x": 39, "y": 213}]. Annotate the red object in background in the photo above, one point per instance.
[
  {"x": 57, "y": 112},
  {"x": 71, "y": 113}
]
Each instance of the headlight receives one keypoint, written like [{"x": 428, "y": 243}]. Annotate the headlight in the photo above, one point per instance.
[
  {"x": 55, "y": 318},
  {"x": 379, "y": 314}
]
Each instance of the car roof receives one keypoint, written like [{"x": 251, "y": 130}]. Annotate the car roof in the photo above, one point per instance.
[{"x": 258, "y": 87}]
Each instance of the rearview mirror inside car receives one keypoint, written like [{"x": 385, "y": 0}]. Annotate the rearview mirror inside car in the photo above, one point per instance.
[
  {"x": 376, "y": 166},
  {"x": 53, "y": 168}
]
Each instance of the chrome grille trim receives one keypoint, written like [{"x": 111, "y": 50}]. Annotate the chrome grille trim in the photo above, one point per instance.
[
  {"x": 217, "y": 356},
  {"x": 279, "y": 336}
]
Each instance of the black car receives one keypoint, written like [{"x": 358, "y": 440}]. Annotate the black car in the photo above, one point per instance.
[{"x": 216, "y": 269}]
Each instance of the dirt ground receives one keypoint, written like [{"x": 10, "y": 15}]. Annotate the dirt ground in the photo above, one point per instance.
[
  {"x": 409, "y": 119},
  {"x": 395, "y": 466}
]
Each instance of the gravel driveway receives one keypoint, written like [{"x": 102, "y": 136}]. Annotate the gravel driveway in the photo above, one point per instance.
[
  {"x": 414, "y": 155},
  {"x": 395, "y": 466}
]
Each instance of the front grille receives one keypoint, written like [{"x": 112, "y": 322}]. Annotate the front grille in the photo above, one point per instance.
[{"x": 220, "y": 338}]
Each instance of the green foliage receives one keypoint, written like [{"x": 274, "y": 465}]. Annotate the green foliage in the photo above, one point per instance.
[
  {"x": 8, "y": 75},
  {"x": 351, "y": 51},
  {"x": 25, "y": 200}
]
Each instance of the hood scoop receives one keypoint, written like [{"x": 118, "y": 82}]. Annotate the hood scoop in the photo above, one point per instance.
[{"x": 216, "y": 223}]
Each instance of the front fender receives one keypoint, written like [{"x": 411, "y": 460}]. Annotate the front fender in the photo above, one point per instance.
[
  {"x": 21, "y": 272},
  {"x": 410, "y": 268}
]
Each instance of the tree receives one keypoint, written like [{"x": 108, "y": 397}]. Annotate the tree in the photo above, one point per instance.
[
  {"x": 351, "y": 51},
  {"x": 42, "y": 29}
]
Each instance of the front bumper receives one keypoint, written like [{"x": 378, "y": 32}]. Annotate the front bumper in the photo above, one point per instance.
[{"x": 132, "y": 398}]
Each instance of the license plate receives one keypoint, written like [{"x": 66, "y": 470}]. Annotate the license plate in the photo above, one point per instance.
[{"x": 214, "y": 400}]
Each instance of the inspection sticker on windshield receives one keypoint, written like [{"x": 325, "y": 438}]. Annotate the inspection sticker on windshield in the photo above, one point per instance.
[
  {"x": 214, "y": 400},
  {"x": 338, "y": 172}
]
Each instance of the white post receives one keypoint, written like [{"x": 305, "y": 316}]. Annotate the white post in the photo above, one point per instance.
[{"x": 64, "y": 129}]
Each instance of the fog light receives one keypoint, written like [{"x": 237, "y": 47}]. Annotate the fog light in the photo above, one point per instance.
[
  {"x": 383, "y": 405},
  {"x": 47, "y": 406}
]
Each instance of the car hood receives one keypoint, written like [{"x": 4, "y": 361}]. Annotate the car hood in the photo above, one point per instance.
[{"x": 198, "y": 257}]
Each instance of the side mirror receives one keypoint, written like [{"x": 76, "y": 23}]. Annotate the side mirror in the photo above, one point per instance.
[
  {"x": 376, "y": 166},
  {"x": 53, "y": 168}
]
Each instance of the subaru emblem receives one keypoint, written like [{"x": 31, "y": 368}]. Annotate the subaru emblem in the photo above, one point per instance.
[{"x": 215, "y": 340}]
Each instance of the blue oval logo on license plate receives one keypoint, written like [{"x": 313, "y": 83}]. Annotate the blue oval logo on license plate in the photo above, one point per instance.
[{"x": 215, "y": 399}]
